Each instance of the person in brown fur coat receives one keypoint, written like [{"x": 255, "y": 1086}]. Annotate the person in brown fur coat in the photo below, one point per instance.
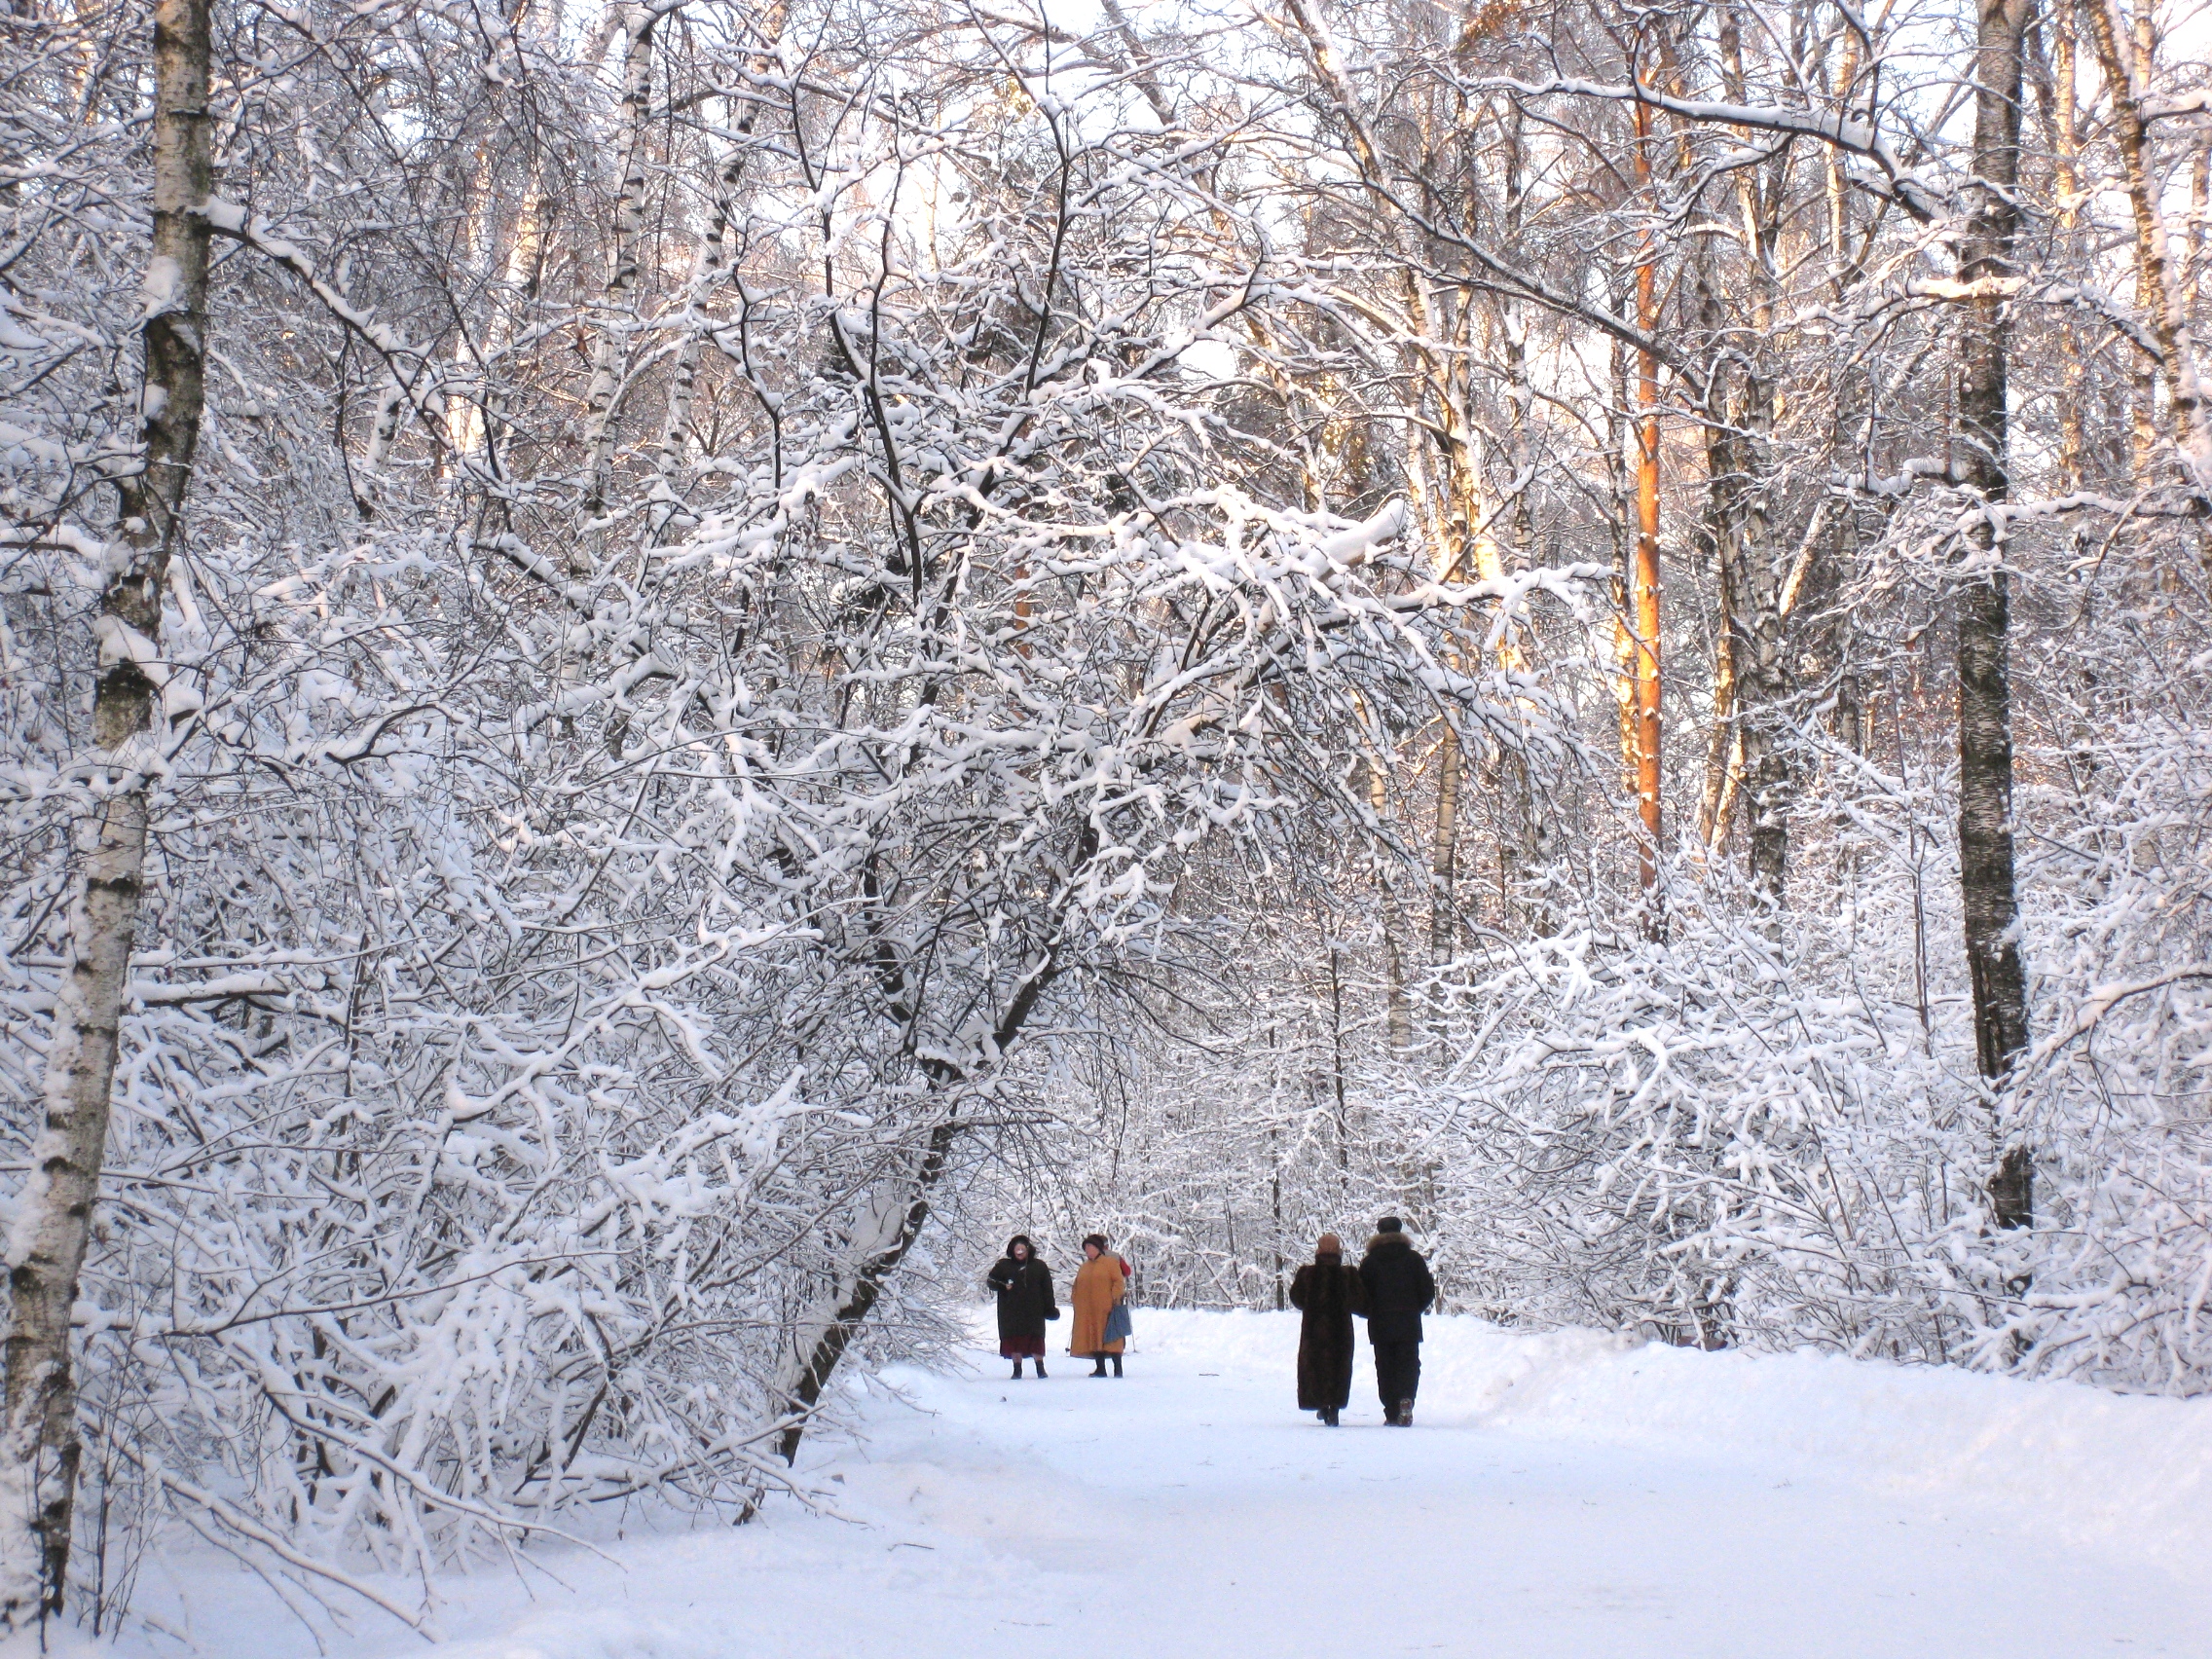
[{"x": 1328, "y": 1294}]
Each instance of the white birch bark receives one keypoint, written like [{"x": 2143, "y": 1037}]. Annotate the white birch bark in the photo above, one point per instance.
[
  {"x": 617, "y": 315},
  {"x": 39, "y": 1448}
]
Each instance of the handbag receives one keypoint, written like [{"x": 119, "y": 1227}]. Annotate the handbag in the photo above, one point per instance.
[{"x": 1118, "y": 1326}]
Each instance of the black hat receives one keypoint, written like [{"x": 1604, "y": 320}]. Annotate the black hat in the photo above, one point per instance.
[{"x": 1389, "y": 1224}]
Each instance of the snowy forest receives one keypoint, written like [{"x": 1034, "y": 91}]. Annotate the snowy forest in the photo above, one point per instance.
[{"x": 664, "y": 665}]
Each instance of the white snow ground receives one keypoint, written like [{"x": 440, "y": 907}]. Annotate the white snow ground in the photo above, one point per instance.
[{"x": 1560, "y": 1495}]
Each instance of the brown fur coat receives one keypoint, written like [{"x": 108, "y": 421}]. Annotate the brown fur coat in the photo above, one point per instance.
[{"x": 1328, "y": 1293}]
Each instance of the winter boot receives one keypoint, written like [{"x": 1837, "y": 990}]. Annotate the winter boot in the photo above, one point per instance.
[
  {"x": 1017, "y": 1371},
  {"x": 1405, "y": 1414},
  {"x": 1329, "y": 1415},
  {"x": 1117, "y": 1365},
  {"x": 1098, "y": 1370},
  {"x": 1040, "y": 1371}
]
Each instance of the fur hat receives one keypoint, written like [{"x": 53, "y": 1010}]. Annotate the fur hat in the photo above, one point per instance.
[
  {"x": 1328, "y": 1245},
  {"x": 1389, "y": 1224}
]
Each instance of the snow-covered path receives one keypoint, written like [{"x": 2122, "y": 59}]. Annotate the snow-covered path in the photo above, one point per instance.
[{"x": 1559, "y": 1495}]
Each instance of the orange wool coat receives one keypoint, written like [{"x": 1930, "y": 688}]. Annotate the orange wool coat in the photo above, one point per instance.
[{"x": 1099, "y": 1286}]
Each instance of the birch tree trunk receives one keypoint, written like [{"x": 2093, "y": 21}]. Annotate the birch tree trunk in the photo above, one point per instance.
[
  {"x": 708, "y": 271},
  {"x": 617, "y": 309},
  {"x": 39, "y": 1450},
  {"x": 2157, "y": 286},
  {"x": 1987, "y": 881}
]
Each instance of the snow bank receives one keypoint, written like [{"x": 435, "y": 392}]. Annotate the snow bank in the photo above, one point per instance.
[{"x": 2098, "y": 1470}]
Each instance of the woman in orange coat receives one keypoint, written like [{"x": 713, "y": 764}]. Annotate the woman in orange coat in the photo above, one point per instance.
[{"x": 1099, "y": 1284}]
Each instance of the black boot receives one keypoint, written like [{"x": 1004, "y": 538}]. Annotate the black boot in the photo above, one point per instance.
[
  {"x": 1099, "y": 1369},
  {"x": 1117, "y": 1365},
  {"x": 1017, "y": 1371},
  {"x": 1329, "y": 1415},
  {"x": 1040, "y": 1371}
]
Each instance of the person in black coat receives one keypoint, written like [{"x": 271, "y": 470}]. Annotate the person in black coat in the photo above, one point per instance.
[
  {"x": 1328, "y": 1294},
  {"x": 1024, "y": 1286},
  {"x": 1398, "y": 1287}
]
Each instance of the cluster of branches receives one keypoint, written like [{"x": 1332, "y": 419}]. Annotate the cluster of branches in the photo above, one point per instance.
[{"x": 604, "y": 619}]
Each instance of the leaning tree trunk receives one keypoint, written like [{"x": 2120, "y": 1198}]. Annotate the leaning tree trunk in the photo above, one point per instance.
[
  {"x": 889, "y": 1225},
  {"x": 1985, "y": 717},
  {"x": 893, "y": 1220},
  {"x": 39, "y": 1450}
]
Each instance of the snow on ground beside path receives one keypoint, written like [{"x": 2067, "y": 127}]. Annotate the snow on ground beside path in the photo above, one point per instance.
[{"x": 1561, "y": 1494}]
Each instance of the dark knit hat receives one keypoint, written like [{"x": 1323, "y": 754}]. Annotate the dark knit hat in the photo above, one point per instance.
[
  {"x": 1097, "y": 1238},
  {"x": 1389, "y": 1224}
]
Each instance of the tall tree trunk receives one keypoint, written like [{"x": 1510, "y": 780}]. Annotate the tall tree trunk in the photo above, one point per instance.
[
  {"x": 1644, "y": 577},
  {"x": 2066, "y": 160},
  {"x": 709, "y": 266},
  {"x": 616, "y": 303},
  {"x": 1985, "y": 719},
  {"x": 39, "y": 1450},
  {"x": 2157, "y": 286},
  {"x": 1739, "y": 417}
]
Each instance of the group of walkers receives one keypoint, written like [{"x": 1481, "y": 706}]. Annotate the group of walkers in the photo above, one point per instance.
[
  {"x": 1391, "y": 1288},
  {"x": 1101, "y": 1297}
]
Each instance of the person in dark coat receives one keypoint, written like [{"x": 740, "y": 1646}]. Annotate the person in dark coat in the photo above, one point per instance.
[
  {"x": 1398, "y": 1287},
  {"x": 1024, "y": 1286},
  {"x": 1328, "y": 1294}
]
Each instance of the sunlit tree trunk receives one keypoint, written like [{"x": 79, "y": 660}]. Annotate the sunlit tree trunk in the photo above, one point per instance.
[
  {"x": 2066, "y": 160},
  {"x": 1643, "y": 576},
  {"x": 2157, "y": 286}
]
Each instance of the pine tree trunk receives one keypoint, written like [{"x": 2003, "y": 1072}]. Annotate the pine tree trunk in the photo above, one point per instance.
[
  {"x": 39, "y": 1451},
  {"x": 1988, "y": 889},
  {"x": 1643, "y": 579}
]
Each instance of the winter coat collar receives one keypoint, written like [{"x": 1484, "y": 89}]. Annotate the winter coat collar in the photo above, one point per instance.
[{"x": 1382, "y": 1239}]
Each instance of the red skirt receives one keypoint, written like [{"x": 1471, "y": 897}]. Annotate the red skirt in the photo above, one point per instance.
[{"x": 1022, "y": 1347}]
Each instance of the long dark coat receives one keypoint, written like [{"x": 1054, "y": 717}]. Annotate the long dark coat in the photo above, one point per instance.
[
  {"x": 1025, "y": 1296},
  {"x": 1328, "y": 1293},
  {"x": 1399, "y": 1286}
]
